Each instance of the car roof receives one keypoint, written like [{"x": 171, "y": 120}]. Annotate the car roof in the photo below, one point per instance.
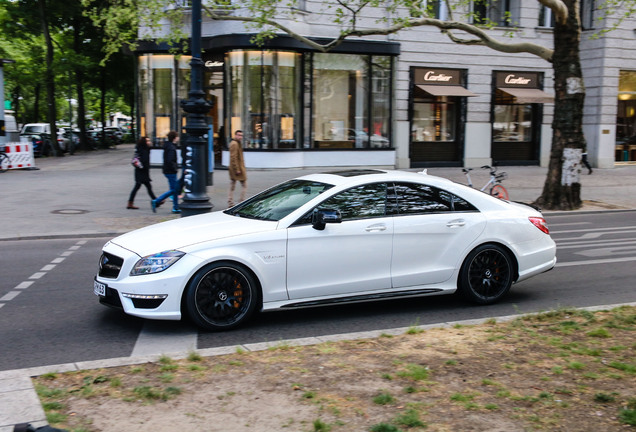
[
  {"x": 352, "y": 177},
  {"x": 345, "y": 179}
]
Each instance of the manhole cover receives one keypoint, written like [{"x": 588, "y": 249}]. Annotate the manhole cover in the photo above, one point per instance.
[{"x": 69, "y": 211}]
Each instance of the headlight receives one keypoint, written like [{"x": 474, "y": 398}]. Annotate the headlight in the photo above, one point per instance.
[{"x": 156, "y": 263}]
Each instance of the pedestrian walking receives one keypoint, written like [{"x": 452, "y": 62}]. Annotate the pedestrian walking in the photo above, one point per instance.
[
  {"x": 170, "y": 170},
  {"x": 237, "y": 168},
  {"x": 142, "y": 171}
]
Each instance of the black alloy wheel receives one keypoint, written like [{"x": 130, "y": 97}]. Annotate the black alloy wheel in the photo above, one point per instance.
[
  {"x": 221, "y": 296},
  {"x": 486, "y": 274}
]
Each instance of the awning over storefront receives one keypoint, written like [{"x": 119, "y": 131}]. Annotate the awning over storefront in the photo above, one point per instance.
[
  {"x": 528, "y": 95},
  {"x": 446, "y": 90}
]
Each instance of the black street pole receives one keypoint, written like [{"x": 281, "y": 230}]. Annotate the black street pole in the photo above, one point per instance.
[{"x": 196, "y": 200}]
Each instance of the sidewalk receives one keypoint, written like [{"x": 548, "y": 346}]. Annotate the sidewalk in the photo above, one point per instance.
[{"x": 86, "y": 194}]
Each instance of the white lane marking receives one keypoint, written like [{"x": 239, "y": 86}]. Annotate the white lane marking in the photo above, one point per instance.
[
  {"x": 608, "y": 251},
  {"x": 38, "y": 275},
  {"x": 598, "y": 261},
  {"x": 158, "y": 338},
  {"x": 9, "y": 296},
  {"x": 569, "y": 224},
  {"x": 622, "y": 229},
  {"x": 595, "y": 244}
]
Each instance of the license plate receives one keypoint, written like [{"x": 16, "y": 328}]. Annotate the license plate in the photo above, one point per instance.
[{"x": 99, "y": 288}]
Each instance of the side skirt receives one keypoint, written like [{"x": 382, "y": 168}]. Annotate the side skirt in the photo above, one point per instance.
[{"x": 361, "y": 298}]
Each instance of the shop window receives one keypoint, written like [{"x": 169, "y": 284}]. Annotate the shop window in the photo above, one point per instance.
[
  {"x": 264, "y": 98},
  {"x": 340, "y": 101},
  {"x": 380, "y": 101},
  {"x": 512, "y": 122},
  {"x": 434, "y": 119},
  {"x": 626, "y": 117}
]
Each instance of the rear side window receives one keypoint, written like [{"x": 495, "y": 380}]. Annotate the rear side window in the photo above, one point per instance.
[{"x": 413, "y": 198}]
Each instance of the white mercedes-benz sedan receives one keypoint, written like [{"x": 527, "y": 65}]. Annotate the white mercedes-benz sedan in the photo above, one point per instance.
[{"x": 321, "y": 239}]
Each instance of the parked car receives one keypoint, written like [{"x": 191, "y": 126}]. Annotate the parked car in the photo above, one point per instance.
[
  {"x": 71, "y": 139},
  {"x": 40, "y": 135},
  {"x": 326, "y": 239},
  {"x": 115, "y": 133}
]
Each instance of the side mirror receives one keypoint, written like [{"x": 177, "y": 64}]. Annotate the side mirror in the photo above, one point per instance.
[{"x": 321, "y": 217}]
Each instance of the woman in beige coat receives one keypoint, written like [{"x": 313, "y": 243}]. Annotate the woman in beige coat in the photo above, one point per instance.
[{"x": 237, "y": 168}]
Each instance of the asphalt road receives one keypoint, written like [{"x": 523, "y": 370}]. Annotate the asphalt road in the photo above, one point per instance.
[{"x": 49, "y": 314}]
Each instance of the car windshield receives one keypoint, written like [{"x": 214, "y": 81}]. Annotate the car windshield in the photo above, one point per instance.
[
  {"x": 279, "y": 201},
  {"x": 34, "y": 129}
]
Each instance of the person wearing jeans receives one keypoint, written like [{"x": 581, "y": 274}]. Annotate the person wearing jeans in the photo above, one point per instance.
[{"x": 170, "y": 170}]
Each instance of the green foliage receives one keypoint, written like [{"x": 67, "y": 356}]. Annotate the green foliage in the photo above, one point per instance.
[{"x": 383, "y": 399}]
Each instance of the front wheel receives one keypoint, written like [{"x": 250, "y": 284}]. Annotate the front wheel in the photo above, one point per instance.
[
  {"x": 221, "y": 296},
  {"x": 486, "y": 274},
  {"x": 498, "y": 191}
]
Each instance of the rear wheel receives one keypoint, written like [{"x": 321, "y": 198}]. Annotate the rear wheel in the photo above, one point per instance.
[
  {"x": 221, "y": 296},
  {"x": 486, "y": 274}
]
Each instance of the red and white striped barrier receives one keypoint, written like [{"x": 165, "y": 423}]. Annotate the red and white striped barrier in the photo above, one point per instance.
[{"x": 20, "y": 155}]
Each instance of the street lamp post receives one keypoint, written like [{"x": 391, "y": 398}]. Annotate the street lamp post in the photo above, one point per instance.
[{"x": 195, "y": 200}]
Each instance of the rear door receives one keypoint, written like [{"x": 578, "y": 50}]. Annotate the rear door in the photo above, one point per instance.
[{"x": 432, "y": 231}]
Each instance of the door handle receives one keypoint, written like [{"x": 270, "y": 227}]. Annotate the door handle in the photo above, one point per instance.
[
  {"x": 376, "y": 227},
  {"x": 457, "y": 223}
]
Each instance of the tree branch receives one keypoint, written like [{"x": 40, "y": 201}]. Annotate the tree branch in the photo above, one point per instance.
[{"x": 481, "y": 37}]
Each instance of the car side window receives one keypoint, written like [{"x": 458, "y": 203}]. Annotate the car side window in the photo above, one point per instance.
[
  {"x": 412, "y": 198},
  {"x": 362, "y": 202}
]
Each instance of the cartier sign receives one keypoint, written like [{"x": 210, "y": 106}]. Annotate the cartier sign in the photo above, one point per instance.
[
  {"x": 517, "y": 79},
  {"x": 437, "y": 76},
  {"x": 212, "y": 64}
]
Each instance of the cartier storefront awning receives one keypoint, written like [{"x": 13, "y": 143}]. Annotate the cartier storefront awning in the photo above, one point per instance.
[
  {"x": 446, "y": 90},
  {"x": 528, "y": 95}
]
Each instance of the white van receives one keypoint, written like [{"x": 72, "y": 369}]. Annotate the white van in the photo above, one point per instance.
[{"x": 11, "y": 129}]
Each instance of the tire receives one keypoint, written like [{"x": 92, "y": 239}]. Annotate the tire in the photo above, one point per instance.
[
  {"x": 498, "y": 191},
  {"x": 4, "y": 162},
  {"x": 221, "y": 296},
  {"x": 486, "y": 274}
]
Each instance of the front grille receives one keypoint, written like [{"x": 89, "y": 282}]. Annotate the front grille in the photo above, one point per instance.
[
  {"x": 111, "y": 299},
  {"x": 110, "y": 265}
]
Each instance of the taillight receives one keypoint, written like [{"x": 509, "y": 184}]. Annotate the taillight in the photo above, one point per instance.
[{"x": 540, "y": 223}]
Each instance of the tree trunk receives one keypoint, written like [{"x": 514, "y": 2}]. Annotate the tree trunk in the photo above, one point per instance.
[
  {"x": 50, "y": 81},
  {"x": 562, "y": 189}
]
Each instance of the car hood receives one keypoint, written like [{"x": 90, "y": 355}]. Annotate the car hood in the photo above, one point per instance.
[{"x": 180, "y": 233}]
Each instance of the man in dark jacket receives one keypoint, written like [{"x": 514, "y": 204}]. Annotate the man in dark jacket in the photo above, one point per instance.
[{"x": 170, "y": 170}]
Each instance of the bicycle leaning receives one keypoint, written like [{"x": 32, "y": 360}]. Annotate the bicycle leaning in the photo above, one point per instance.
[
  {"x": 493, "y": 186},
  {"x": 4, "y": 160}
]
